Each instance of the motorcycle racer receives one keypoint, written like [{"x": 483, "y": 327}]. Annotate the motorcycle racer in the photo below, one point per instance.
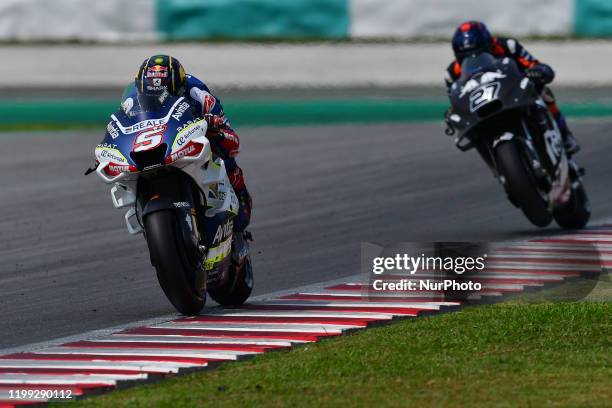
[
  {"x": 163, "y": 75},
  {"x": 473, "y": 37}
]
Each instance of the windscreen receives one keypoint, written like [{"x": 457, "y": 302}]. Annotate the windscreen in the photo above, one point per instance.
[
  {"x": 152, "y": 102},
  {"x": 474, "y": 64}
]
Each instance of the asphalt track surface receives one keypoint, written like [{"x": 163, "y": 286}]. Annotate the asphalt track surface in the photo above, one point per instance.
[{"x": 68, "y": 265}]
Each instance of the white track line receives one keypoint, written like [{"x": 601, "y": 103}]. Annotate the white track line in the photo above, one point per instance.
[
  {"x": 373, "y": 304},
  {"x": 549, "y": 255},
  {"x": 305, "y": 313},
  {"x": 161, "y": 367},
  {"x": 538, "y": 266},
  {"x": 118, "y": 338},
  {"x": 56, "y": 379},
  {"x": 262, "y": 327},
  {"x": 152, "y": 352}
]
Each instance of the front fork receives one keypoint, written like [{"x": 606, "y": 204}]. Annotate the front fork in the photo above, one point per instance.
[
  {"x": 175, "y": 192},
  {"x": 541, "y": 176}
]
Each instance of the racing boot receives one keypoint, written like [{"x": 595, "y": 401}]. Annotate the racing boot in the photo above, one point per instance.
[
  {"x": 240, "y": 247},
  {"x": 245, "y": 204},
  {"x": 569, "y": 141},
  {"x": 236, "y": 178}
]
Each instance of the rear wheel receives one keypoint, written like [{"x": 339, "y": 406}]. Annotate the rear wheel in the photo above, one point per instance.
[
  {"x": 576, "y": 212},
  {"x": 520, "y": 185},
  {"x": 168, "y": 254},
  {"x": 238, "y": 287}
]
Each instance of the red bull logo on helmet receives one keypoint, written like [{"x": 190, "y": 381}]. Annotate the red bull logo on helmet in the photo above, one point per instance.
[{"x": 157, "y": 71}]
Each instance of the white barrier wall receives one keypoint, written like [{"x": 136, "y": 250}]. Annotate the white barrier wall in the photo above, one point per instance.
[
  {"x": 136, "y": 20},
  {"x": 439, "y": 18},
  {"x": 104, "y": 20}
]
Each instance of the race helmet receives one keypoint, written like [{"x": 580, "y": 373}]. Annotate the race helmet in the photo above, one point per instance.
[
  {"x": 471, "y": 37},
  {"x": 158, "y": 77}
]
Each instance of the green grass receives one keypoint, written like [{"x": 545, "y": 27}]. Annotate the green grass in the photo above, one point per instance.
[
  {"x": 512, "y": 354},
  {"x": 593, "y": 288}
]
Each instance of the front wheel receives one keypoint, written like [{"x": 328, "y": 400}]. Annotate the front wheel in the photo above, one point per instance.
[
  {"x": 576, "y": 212},
  {"x": 169, "y": 256},
  {"x": 520, "y": 185}
]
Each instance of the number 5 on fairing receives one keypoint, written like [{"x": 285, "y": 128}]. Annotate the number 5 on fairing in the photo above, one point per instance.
[{"x": 149, "y": 138}]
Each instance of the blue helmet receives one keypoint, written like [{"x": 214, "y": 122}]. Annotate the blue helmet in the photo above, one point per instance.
[
  {"x": 159, "y": 77},
  {"x": 471, "y": 37},
  {"x": 161, "y": 73}
]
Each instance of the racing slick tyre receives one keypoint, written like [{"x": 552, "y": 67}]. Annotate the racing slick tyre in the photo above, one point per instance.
[
  {"x": 576, "y": 212},
  {"x": 238, "y": 287},
  {"x": 520, "y": 185},
  {"x": 169, "y": 256}
]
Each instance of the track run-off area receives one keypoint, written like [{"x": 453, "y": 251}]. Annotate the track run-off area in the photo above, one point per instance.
[
  {"x": 151, "y": 352},
  {"x": 68, "y": 266}
]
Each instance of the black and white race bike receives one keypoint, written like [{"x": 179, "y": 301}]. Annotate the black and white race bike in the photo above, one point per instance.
[{"x": 498, "y": 111}]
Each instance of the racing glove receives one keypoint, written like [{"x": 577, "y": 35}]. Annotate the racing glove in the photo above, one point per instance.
[
  {"x": 215, "y": 122},
  {"x": 541, "y": 74}
]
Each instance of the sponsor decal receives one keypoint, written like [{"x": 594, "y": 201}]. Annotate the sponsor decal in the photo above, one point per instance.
[
  {"x": 145, "y": 124},
  {"x": 157, "y": 71},
  {"x": 182, "y": 204},
  {"x": 182, "y": 108},
  {"x": 182, "y": 153},
  {"x": 185, "y": 125},
  {"x": 184, "y": 137},
  {"x": 111, "y": 155},
  {"x": 224, "y": 231},
  {"x": 119, "y": 168},
  {"x": 149, "y": 138},
  {"x": 153, "y": 166},
  {"x": 127, "y": 105},
  {"x": 155, "y": 88},
  {"x": 112, "y": 130},
  {"x": 115, "y": 169},
  {"x": 106, "y": 146},
  {"x": 162, "y": 98}
]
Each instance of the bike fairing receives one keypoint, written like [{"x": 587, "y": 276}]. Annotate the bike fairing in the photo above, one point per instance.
[
  {"x": 154, "y": 142},
  {"x": 203, "y": 103},
  {"x": 151, "y": 129}
]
